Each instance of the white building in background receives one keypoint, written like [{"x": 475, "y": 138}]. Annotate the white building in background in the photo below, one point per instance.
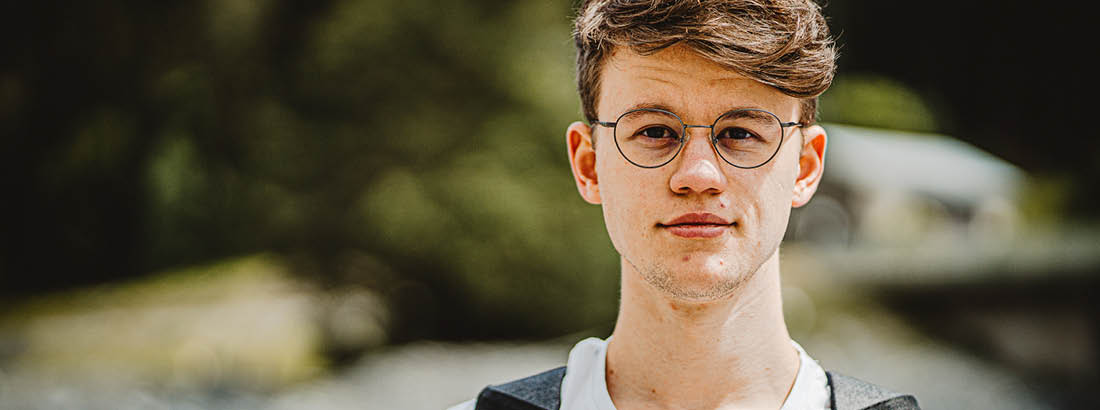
[{"x": 897, "y": 188}]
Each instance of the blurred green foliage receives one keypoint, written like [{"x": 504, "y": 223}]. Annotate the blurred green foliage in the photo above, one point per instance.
[
  {"x": 876, "y": 101},
  {"x": 424, "y": 139},
  {"x": 424, "y": 135}
]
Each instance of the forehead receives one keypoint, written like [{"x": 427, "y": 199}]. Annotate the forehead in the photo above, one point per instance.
[{"x": 679, "y": 79}]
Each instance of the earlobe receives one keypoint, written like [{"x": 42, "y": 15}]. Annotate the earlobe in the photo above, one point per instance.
[
  {"x": 582, "y": 160},
  {"x": 811, "y": 165}
]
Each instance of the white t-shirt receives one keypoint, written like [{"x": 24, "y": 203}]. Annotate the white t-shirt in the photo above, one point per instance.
[{"x": 585, "y": 387}]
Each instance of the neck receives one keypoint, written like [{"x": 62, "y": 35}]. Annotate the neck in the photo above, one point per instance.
[{"x": 733, "y": 352}]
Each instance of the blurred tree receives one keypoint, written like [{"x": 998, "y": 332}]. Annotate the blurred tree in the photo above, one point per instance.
[
  {"x": 882, "y": 102},
  {"x": 422, "y": 136}
]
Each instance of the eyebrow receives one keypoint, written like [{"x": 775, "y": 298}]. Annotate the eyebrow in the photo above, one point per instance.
[
  {"x": 655, "y": 105},
  {"x": 660, "y": 106},
  {"x": 753, "y": 115}
]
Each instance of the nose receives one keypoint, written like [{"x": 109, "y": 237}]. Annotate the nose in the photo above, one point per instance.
[{"x": 697, "y": 168}]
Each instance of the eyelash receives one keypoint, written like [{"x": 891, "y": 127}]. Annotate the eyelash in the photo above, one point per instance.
[
  {"x": 671, "y": 133},
  {"x": 750, "y": 133}
]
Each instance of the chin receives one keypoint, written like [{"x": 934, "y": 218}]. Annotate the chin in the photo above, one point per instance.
[{"x": 701, "y": 281}]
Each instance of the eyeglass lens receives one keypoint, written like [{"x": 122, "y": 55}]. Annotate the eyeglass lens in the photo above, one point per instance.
[{"x": 744, "y": 138}]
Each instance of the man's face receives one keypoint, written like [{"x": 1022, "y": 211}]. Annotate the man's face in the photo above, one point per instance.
[{"x": 736, "y": 216}]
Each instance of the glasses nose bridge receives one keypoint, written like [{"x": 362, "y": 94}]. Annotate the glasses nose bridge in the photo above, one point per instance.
[
  {"x": 710, "y": 131},
  {"x": 686, "y": 138}
]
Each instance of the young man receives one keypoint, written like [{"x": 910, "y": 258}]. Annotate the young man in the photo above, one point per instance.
[{"x": 699, "y": 141}]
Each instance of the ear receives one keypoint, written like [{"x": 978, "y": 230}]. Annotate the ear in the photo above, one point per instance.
[
  {"x": 582, "y": 159},
  {"x": 811, "y": 164}
]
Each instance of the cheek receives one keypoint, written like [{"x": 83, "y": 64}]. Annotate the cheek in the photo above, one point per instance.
[
  {"x": 615, "y": 205},
  {"x": 777, "y": 191},
  {"x": 626, "y": 192},
  {"x": 771, "y": 189},
  {"x": 780, "y": 174}
]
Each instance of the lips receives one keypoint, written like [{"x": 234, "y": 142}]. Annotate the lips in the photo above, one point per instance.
[{"x": 697, "y": 225}]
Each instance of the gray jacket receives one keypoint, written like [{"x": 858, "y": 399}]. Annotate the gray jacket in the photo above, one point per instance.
[{"x": 543, "y": 392}]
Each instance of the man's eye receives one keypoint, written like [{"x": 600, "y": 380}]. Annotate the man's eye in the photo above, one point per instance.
[
  {"x": 657, "y": 133},
  {"x": 736, "y": 134}
]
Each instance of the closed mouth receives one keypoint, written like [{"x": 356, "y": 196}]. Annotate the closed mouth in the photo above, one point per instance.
[
  {"x": 697, "y": 219},
  {"x": 697, "y": 225}
]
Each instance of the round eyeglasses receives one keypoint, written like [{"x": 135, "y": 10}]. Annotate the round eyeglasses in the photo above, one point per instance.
[{"x": 652, "y": 137}]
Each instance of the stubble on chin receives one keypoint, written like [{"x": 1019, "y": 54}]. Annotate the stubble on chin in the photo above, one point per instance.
[{"x": 695, "y": 287}]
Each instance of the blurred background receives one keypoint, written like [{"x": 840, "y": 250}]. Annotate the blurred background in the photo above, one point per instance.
[{"x": 366, "y": 204}]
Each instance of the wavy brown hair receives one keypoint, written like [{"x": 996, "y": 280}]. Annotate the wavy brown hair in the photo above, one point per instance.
[{"x": 781, "y": 43}]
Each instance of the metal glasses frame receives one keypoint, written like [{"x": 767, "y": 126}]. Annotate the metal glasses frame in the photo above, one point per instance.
[{"x": 684, "y": 135}]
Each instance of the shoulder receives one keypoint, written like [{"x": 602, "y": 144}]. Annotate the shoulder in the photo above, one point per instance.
[
  {"x": 542, "y": 390},
  {"x": 850, "y": 393}
]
